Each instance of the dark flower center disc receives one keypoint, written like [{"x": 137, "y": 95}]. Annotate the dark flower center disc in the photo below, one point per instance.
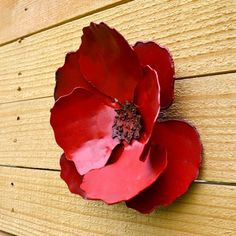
[{"x": 127, "y": 123}]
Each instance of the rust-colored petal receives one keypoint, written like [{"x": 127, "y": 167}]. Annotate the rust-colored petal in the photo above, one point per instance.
[
  {"x": 82, "y": 124},
  {"x": 159, "y": 58},
  {"x": 108, "y": 62},
  {"x": 126, "y": 177},
  {"x": 184, "y": 151}
]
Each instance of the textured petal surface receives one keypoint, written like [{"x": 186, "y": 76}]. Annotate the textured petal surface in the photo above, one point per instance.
[
  {"x": 70, "y": 175},
  {"x": 108, "y": 62},
  {"x": 184, "y": 152},
  {"x": 69, "y": 76},
  {"x": 159, "y": 59},
  {"x": 126, "y": 177},
  {"x": 82, "y": 126},
  {"x": 147, "y": 98}
]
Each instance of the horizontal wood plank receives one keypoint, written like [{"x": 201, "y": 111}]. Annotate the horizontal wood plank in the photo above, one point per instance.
[
  {"x": 23, "y": 17},
  {"x": 26, "y": 138},
  {"x": 35, "y": 202},
  {"x": 200, "y": 34}
]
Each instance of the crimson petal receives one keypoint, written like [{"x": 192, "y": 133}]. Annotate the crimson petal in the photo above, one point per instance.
[
  {"x": 160, "y": 60},
  {"x": 147, "y": 98},
  {"x": 126, "y": 177},
  {"x": 69, "y": 76},
  {"x": 108, "y": 62},
  {"x": 184, "y": 150},
  {"x": 70, "y": 175},
  {"x": 82, "y": 125}
]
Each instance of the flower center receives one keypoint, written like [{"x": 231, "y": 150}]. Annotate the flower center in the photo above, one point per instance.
[{"x": 127, "y": 123}]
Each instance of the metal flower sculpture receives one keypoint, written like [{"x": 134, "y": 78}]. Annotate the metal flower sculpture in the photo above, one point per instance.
[{"x": 108, "y": 96}]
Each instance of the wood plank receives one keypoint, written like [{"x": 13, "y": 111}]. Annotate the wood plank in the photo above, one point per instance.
[
  {"x": 209, "y": 103},
  {"x": 23, "y": 17},
  {"x": 39, "y": 203},
  {"x": 200, "y": 34}
]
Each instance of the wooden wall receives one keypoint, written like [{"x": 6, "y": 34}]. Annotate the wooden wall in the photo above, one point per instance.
[{"x": 34, "y": 38}]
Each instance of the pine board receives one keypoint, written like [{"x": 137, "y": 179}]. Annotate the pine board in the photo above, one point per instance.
[
  {"x": 203, "y": 101},
  {"x": 23, "y": 17},
  {"x": 200, "y": 34},
  {"x": 38, "y": 203}
]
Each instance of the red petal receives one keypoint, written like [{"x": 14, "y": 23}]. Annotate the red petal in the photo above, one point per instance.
[
  {"x": 184, "y": 152},
  {"x": 147, "y": 98},
  {"x": 69, "y": 76},
  {"x": 159, "y": 59},
  {"x": 108, "y": 62},
  {"x": 125, "y": 178},
  {"x": 70, "y": 175},
  {"x": 82, "y": 125}
]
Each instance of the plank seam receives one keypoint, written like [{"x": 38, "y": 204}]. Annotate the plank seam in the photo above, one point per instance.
[
  {"x": 209, "y": 182},
  {"x": 91, "y": 12},
  {"x": 208, "y": 74},
  {"x": 179, "y": 78}
]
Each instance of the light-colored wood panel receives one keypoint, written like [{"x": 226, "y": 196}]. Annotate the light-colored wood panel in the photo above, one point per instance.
[
  {"x": 38, "y": 203},
  {"x": 208, "y": 102},
  {"x": 200, "y": 34},
  {"x": 22, "y": 17}
]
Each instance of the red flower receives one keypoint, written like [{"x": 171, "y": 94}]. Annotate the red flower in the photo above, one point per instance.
[{"x": 108, "y": 97}]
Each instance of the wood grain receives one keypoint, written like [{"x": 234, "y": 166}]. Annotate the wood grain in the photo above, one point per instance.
[
  {"x": 35, "y": 202},
  {"x": 200, "y": 34},
  {"x": 207, "y": 102},
  {"x": 23, "y": 17}
]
